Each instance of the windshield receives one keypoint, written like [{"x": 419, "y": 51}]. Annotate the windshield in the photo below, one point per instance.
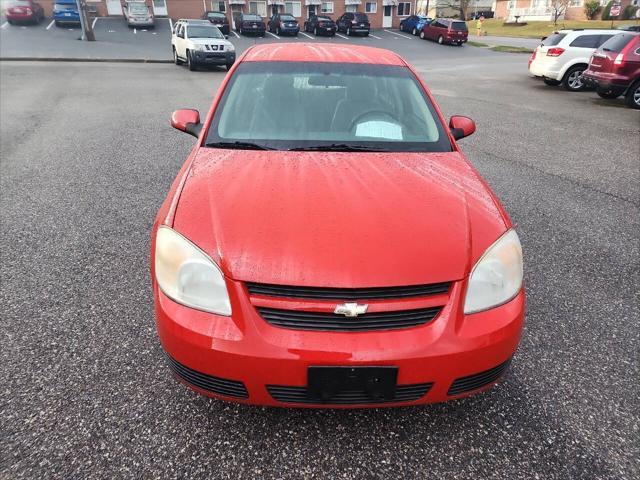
[
  {"x": 138, "y": 8},
  {"x": 18, "y": 3},
  {"x": 252, "y": 18},
  {"x": 361, "y": 17},
  {"x": 216, "y": 15},
  {"x": 203, "y": 32},
  {"x": 65, "y": 6},
  {"x": 304, "y": 105},
  {"x": 288, "y": 18},
  {"x": 324, "y": 19}
]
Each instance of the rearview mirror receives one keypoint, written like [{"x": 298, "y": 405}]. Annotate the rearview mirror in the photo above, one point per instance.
[
  {"x": 187, "y": 120},
  {"x": 461, "y": 126}
]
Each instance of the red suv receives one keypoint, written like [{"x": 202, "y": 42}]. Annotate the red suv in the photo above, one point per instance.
[
  {"x": 614, "y": 69},
  {"x": 446, "y": 30}
]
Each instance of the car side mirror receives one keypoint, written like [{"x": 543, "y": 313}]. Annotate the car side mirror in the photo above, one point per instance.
[
  {"x": 461, "y": 127},
  {"x": 187, "y": 120},
  {"x": 226, "y": 36}
]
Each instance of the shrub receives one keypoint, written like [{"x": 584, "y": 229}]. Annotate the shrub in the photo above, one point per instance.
[
  {"x": 607, "y": 9},
  {"x": 630, "y": 11},
  {"x": 591, "y": 8}
]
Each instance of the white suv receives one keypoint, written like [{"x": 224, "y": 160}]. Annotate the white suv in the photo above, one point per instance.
[
  {"x": 198, "y": 42},
  {"x": 564, "y": 55}
]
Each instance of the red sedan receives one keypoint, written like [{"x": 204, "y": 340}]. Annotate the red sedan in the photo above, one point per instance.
[
  {"x": 20, "y": 11},
  {"x": 327, "y": 244}
]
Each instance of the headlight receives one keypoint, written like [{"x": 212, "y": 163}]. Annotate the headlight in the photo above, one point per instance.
[
  {"x": 497, "y": 276},
  {"x": 199, "y": 48},
  {"x": 187, "y": 275}
]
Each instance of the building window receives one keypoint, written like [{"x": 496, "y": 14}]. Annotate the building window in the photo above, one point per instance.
[
  {"x": 371, "y": 7},
  {"x": 576, "y": 3},
  {"x": 404, "y": 9},
  {"x": 511, "y": 5},
  {"x": 294, "y": 8},
  {"x": 218, "y": 6},
  {"x": 539, "y": 3},
  {"x": 258, "y": 8},
  {"x": 351, "y": 8},
  {"x": 326, "y": 7}
]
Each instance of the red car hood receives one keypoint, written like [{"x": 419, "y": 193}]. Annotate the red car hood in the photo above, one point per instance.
[{"x": 338, "y": 219}]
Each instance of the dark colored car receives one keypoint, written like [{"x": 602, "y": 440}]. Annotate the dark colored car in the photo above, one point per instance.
[
  {"x": 446, "y": 30},
  {"x": 630, "y": 28},
  {"x": 20, "y": 11},
  {"x": 320, "y": 25},
  {"x": 283, "y": 24},
  {"x": 483, "y": 13},
  {"x": 354, "y": 22},
  {"x": 614, "y": 69},
  {"x": 249, "y": 23},
  {"x": 414, "y": 23},
  {"x": 219, "y": 19}
]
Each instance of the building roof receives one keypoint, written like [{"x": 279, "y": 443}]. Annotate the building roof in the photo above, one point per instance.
[{"x": 321, "y": 52}]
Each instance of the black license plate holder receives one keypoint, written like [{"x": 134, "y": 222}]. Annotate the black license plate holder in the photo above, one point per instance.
[{"x": 378, "y": 382}]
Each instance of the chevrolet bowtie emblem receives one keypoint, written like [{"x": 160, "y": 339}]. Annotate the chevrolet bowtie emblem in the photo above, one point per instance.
[{"x": 350, "y": 309}]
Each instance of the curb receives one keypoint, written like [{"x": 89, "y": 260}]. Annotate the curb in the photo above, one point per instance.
[{"x": 78, "y": 59}]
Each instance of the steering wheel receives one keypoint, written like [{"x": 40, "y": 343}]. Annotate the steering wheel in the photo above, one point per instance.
[{"x": 378, "y": 114}]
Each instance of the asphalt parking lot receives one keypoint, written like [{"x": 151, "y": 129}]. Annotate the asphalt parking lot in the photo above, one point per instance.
[{"x": 84, "y": 388}]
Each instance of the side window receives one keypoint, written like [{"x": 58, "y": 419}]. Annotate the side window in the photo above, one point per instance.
[{"x": 586, "y": 41}]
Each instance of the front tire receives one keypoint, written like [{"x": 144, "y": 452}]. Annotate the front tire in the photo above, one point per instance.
[
  {"x": 441, "y": 40},
  {"x": 228, "y": 66},
  {"x": 190, "y": 63},
  {"x": 632, "y": 98},
  {"x": 571, "y": 80},
  {"x": 414, "y": 32}
]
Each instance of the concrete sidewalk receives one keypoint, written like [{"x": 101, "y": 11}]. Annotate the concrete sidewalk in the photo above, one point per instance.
[{"x": 531, "y": 43}]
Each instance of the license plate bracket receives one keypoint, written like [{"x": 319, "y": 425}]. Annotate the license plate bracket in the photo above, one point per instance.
[{"x": 378, "y": 382}]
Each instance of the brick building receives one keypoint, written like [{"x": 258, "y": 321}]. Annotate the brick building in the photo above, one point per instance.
[
  {"x": 382, "y": 13},
  {"x": 531, "y": 10}
]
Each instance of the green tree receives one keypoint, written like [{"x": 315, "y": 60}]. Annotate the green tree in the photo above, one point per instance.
[{"x": 591, "y": 8}]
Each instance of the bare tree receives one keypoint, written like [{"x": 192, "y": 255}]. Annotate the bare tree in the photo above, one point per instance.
[
  {"x": 461, "y": 6},
  {"x": 558, "y": 8}
]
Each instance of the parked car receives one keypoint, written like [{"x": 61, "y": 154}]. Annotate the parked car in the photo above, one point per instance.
[
  {"x": 138, "y": 14},
  {"x": 353, "y": 23},
  {"x": 614, "y": 69},
  {"x": 283, "y": 24},
  {"x": 249, "y": 23},
  {"x": 21, "y": 11},
  {"x": 483, "y": 13},
  {"x": 563, "y": 56},
  {"x": 219, "y": 19},
  {"x": 197, "y": 42},
  {"x": 65, "y": 12},
  {"x": 414, "y": 24},
  {"x": 446, "y": 30},
  {"x": 320, "y": 25},
  {"x": 630, "y": 28},
  {"x": 278, "y": 281}
]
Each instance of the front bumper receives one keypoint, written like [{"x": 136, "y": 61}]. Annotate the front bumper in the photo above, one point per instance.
[
  {"x": 245, "y": 359},
  {"x": 213, "y": 58}
]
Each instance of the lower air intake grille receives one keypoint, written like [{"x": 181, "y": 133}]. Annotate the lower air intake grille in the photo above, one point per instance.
[
  {"x": 300, "y": 320},
  {"x": 472, "y": 382},
  {"x": 330, "y": 293},
  {"x": 404, "y": 393},
  {"x": 220, "y": 386}
]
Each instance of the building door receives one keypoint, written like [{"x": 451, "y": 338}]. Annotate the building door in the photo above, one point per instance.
[
  {"x": 114, "y": 7},
  {"x": 235, "y": 9},
  {"x": 160, "y": 8},
  {"x": 387, "y": 17},
  {"x": 312, "y": 11}
]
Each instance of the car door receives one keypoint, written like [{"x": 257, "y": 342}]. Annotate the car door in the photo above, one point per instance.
[{"x": 181, "y": 41}]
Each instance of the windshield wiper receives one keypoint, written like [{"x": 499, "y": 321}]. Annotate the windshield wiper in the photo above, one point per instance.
[
  {"x": 239, "y": 145},
  {"x": 337, "y": 147}
]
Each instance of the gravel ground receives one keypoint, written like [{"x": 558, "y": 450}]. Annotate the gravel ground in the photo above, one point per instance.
[{"x": 87, "y": 157}]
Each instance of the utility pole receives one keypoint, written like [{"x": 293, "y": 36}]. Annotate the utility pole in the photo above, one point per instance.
[{"x": 87, "y": 30}]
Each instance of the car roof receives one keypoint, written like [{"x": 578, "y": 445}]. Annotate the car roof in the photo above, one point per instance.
[
  {"x": 321, "y": 52},
  {"x": 587, "y": 31}
]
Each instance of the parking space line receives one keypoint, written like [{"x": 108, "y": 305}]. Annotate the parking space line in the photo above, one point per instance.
[
  {"x": 308, "y": 36},
  {"x": 4, "y": 25},
  {"x": 135, "y": 31},
  {"x": 273, "y": 35},
  {"x": 399, "y": 34},
  {"x": 234, "y": 32},
  {"x": 51, "y": 24},
  {"x": 342, "y": 36},
  {"x": 170, "y": 24},
  {"x": 93, "y": 24},
  {"x": 372, "y": 35}
]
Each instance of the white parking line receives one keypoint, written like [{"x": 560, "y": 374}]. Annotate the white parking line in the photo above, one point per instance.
[
  {"x": 5, "y": 25},
  {"x": 399, "y": 34},
  {"x": 233, "y": 31},
  {"x": 93, "y": 24},
  {"x": 342, "y": 36},
  {"x": 274, "y": 35},
  {"x": 51, "y": 24},
  {"x": 372, "y": 35},
  {"x": 170, "y": 24},
  {"x": 306, "y": 35},
  {"x": 135, "y": 31}
]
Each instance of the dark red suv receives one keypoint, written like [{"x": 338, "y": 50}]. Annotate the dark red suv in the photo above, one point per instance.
[
  {"x": 614, "y": 68},
  {"x": 446, "y": 30}
]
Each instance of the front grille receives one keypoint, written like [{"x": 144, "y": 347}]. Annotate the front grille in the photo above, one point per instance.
[
  {"x": 220, "y": 386},
  {"x": 299, "y": 320},
  {"x": 473, "y": 382},
  {"x": 330, "y": 293},
  {"x": 404, "y": 393}
]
